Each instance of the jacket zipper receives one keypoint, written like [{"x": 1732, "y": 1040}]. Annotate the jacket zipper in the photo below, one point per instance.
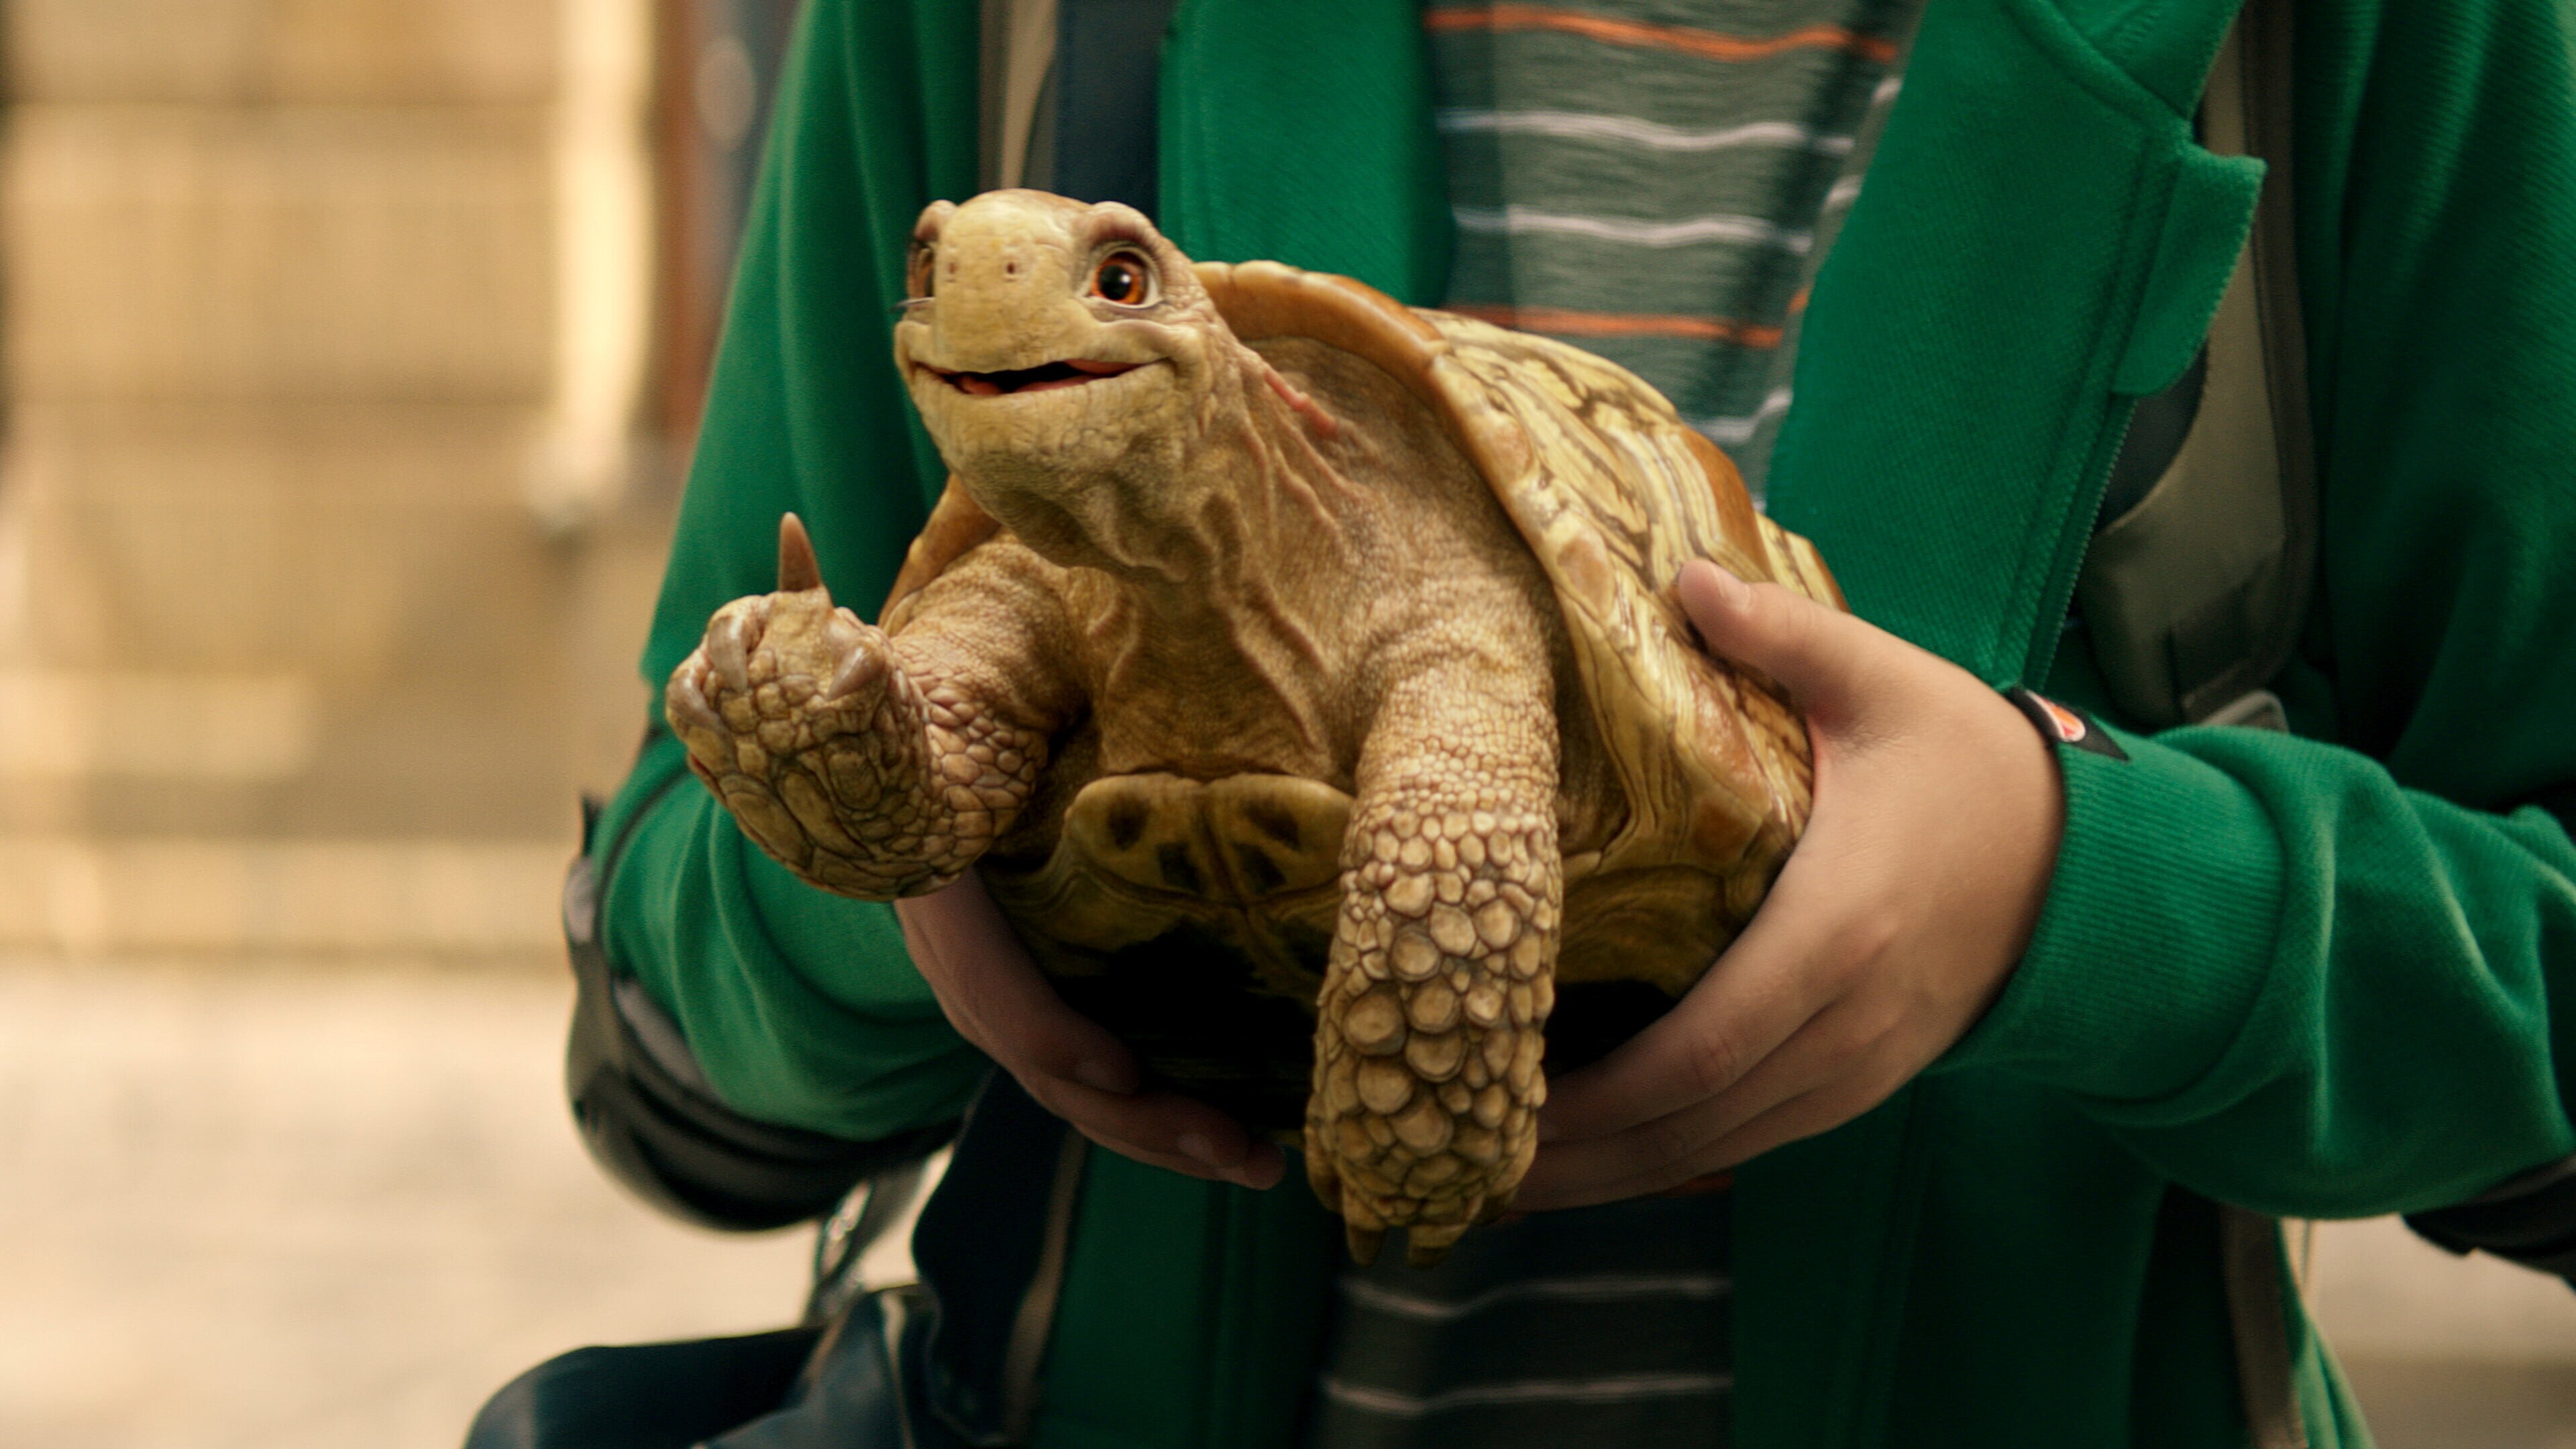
[{"x": 2039, "y": 655}]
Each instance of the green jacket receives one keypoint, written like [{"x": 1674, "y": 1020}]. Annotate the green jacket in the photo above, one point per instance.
[{"x": 2314, "y": 976}]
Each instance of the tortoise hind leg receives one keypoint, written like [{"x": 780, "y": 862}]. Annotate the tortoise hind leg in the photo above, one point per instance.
[{"x": 1428, "y": 1030}]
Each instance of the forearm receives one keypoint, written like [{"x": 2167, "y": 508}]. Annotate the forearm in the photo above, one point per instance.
[
  {"x": 2293, "y": 984},
  {"x": 801, "y": 1008}
]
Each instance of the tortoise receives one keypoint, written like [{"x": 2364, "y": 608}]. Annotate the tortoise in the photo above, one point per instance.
[{"x": 1303, "y": 673}]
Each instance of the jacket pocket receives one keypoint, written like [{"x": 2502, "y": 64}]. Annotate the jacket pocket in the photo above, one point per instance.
[
  {"x": 2205, "y": 222},
  {"x": 2039, "y": 240}
]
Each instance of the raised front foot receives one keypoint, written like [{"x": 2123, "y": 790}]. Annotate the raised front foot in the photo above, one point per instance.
[
  {"x": 832, "y": 759},
  {"x": 1429, "y": 1029}
]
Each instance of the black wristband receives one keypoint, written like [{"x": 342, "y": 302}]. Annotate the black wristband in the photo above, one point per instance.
[{"x": 2064, "y": 725}]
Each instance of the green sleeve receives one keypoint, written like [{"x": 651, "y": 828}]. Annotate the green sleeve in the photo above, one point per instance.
[
  {"x": 2294, "y": 984},
  {"x": 2341, "y": 979},
  {"x": 802, "y": 1007}
]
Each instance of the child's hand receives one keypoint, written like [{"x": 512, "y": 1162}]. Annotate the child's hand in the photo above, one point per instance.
[
  {"x": 996, "y": 998},
  {"x": 1893, "y": 927}
]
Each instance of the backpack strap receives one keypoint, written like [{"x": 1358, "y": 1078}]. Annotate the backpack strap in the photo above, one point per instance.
[
  {"x": 2226, "y": 640},
  {"x": 2195, "y": 590},
  {"x": 644, "y": 1107},
  {"x": 1018, "y": 42},
  {"x": 2249, "y": 1255}
]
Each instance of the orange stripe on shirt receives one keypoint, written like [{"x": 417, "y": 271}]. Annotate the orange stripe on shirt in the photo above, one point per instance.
[
  {"x": 1566, "y": 322},
  {"x": 1706, "y": 44}
]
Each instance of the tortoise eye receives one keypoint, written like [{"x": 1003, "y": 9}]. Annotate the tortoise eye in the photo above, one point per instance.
[
  {"x": 917, "y": 283},
  {"x": 1125, "y": 278}
]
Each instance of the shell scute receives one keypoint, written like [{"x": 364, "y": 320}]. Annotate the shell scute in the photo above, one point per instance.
[{"x": 1613, "y": 493}]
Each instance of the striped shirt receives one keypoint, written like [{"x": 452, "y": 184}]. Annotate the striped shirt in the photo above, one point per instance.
[
  {"x": 1654, "y": 181},
  {"x": 1596, "y": 1326}
]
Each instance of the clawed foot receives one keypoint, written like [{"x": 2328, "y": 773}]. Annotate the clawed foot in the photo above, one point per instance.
[
  {"x": 767, "y": 654},
  {"x": 797, "y": 716},
  {"x": 1429, "y": 1031}
]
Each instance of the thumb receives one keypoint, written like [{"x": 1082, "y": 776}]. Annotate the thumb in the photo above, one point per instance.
[
  {"x": 1814, "y": 652},
  {"x": 797, "y": 569}
]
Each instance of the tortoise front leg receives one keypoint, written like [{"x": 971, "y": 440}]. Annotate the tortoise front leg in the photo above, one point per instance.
[
  {"x": 1428, "y": 1031},
  {"x": 870, "y": 766}
]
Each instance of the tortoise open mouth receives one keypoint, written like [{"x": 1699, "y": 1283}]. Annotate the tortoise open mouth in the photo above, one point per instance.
[{"x": 1072, "y": 372}]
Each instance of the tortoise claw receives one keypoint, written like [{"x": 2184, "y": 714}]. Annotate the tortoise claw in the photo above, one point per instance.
[
  {"x": 1363, "y": 1242},
  {"x": 1319, "y": 1171},
  {"x": 1422, "y": 1249},
  {"x": 729, "y": 651},
  {"x": 864, "y": 667},
  {"x": 685, "y": 703},
  {"x": 797, "y": 569}
]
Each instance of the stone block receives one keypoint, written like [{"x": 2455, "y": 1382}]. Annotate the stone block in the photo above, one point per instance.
[
  {"x": 355, "y": 598},
  {"x": 355, "y": 253},
  {"x": 433, "y": 896},
  {"x": 290, "y": 51},
  {"x": 379, "y": 557},
  {"x": 65, "y": 724},
  {"x": 342, "y": 541}
]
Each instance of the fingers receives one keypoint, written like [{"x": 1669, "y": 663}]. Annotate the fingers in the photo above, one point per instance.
[
  {"x": 1766, "y": 986},
  {"x": 1817, "y": 654},
  {"x": 1563, "y": 1179},
  {"x": 1839, "y": 1045},
  {"x": 1166, "y": 1130},
  {"x": 993, "y": 992},
  {"x": 1801, "y": 1117},
  {"x": 996, "y": 997},
  {"x": 1819, "y": 932},
  {"x": 1882, "y": 941},
  {"x": 797, "y": 568}
]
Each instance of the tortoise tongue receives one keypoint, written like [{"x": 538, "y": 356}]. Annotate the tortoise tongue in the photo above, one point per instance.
[
  {"x": 1045, "y": 384},
  {"x": 1072, "y": 372}
]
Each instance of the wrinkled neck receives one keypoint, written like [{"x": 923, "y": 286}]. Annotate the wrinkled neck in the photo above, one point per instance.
[
  {"x": 1242, "y": 498},
  {"x": 1228, "y": 556}
]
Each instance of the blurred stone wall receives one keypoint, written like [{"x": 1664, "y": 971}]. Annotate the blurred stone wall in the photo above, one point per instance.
[{"x": 305, "y": 641}]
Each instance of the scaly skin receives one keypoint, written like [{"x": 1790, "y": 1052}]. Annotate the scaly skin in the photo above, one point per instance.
[
  {"x": 1430, "y": 1027},
  {"x": 835, "y": 758}
]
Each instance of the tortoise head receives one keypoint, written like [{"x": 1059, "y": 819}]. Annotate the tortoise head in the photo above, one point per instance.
[{"x": 1060, "y": 353}]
